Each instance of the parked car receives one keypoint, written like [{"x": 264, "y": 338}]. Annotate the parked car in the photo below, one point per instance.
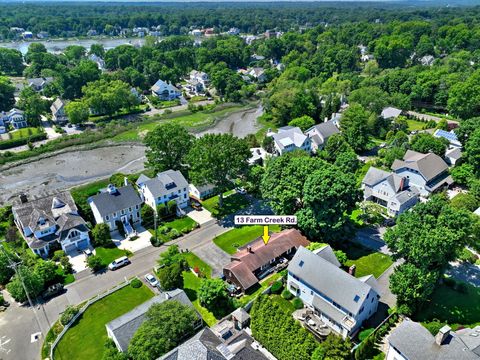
[
  {"x": 88, "y": 252},
  {"x": 152, "y": 280},
  {"x": 53, "y": 290},
  {"x": 118, "y": 263},
  {"x": 241, "y": 190}
]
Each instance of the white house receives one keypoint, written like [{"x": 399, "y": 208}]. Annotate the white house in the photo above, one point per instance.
[
  {"x": 257, "y": 73},
  {"x": 389, "y": 190},
  {"x": 391, "y": 113},
  {"x": 167, "y": 185},
  {"x": 411, "y": 341},
  {"x": 58, "y": 111},
  {"x": 113, "y": 205},
  {"x": 165, "y": 90},
  {"x": 198, "y": 82},
  {"x": 290, "y": 138},
  {"x": 14, "y": 117},
  {"x": 97, "y": 60},
  {"x": 338, "y": 299},
  {"x": 201, "y": 192},
  {"x": 427, "y": 172},
  {"x": 52, "y": 219},
  {"x": 320, "y": 133}
]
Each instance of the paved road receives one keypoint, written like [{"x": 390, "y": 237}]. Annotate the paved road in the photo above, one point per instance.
[
  {"x": 465, "y": 272},
  {"x": 18, "y": 323}
]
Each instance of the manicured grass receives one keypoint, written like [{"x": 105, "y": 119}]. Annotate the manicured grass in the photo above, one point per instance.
[
  {"x": 415, "y": 125},
  {"x": 235, "y": 238},
  {"x": 191, "y": 283},
  {"x": 231, "y": 203},
  {"x": 194, "y": 261},
  {"x": 452, "y": 306},
  {"x": 110, "y": 254},
  {"x": 354, "y": 217},
  {"x": 257, "y": 290},
  {"x": 24, "y": 133},
  {"x": 65, "y": 278},
  {"x": 182, "y": 225},
  {"x": 283, "y": 303},
  {"x": 196, "y": 120},
  {"x": 85, "y": 339},
  {"x": 367, "y": 261}
]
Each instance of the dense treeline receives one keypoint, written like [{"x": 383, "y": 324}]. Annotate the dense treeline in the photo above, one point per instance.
[{"x": 77, "y": 19}]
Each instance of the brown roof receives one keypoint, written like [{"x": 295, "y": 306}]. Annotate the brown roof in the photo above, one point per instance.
[{"x": 245, "y": 263}]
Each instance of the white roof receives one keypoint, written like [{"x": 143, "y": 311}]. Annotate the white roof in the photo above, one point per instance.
[{"x": 293, "y": 136}]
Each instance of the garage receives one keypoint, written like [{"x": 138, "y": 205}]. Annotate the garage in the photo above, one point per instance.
[
  {"x": 70, "y": 248},
  {"x": 83, "y": 244}
]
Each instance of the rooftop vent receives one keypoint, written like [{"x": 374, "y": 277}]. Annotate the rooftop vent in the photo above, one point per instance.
[{"x": 111, "y": 189}]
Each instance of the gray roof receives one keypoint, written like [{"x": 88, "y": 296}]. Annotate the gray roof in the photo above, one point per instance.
[
  {"x": 455, "y": 153},
  {"x": 471, "y": 338},
  {"x": 415, "y": 342},
  {"x": 141, "y": 179},
  {"x": 329, "y": 279},
  {"x": 407, "y": 194},
  {"x": 166, "y": 182},
  {"x": 125, "y": 326},
  {"x": 374, "y": 176},
  {"x": 58, "y": 209},
  {"x": 288, "y": 136},
  {"x": 123, "y": 198},
  {"x": 202, "y": 346},
  {"x": 325, "y": 129},
  {"x": 428, "y": 165},
  {"x": 327, "y": 253},
  {"x": 205, "y": 345},
  {"x": 57, "y": 105},
  {"x": 390, "y": 112}
]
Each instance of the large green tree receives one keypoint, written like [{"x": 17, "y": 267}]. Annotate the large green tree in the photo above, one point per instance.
[
  {"x": 354, "y": 126},
  {"x": 425, "y": 143},
  {"x": 218, "y": 159},
  {"x": 166, "y": 325},
  {"x": 32, "y": 281},
  {"x": 11, "y": 61},
  {"x": 7, "y": 91},
  {"x": 77, "y": 112},
  {"x": 213, "y": 294},
  {"x": 167, "y": 146},
  {"x": 472, "y": 150}
]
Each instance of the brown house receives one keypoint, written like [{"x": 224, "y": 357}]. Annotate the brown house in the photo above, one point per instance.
[{"x": 256, "y": 260}]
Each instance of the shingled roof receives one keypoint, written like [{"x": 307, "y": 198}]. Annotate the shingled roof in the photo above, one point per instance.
[
  {"x": 428, "y": 165},
  {"x": 256, "y": 254}
]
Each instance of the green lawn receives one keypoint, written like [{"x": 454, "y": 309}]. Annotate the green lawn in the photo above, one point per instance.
[
  {"x": 367, "y": 261},
  {"x": 85, "y": 339},
  {"x": 232, "y": 202},
  {"x": 191, "y": 283},
  {"x": 182, "y": 225},
  {"x": 415, "y": 125},
  {"x": 235, "y": 238},
  {"x": 81, "y": 194},
  {"x": 452, "y": 306},
  {"x": 196, "y": 120},
  {"x": 25, "y": 133},
  {"x": 194, "y": 261},
  {"x": 110, "y": 254},
  {"x": 284, "y": 304},
  {"x": 258, "y": 289},
  {"x": 354, "y": 217}
]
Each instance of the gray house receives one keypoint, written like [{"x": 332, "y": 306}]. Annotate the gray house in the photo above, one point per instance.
[
  {"x": 49, "y": 220},
  {"x": 122, "y": 329},
  {"x": 320, "y": 133},
  {"x": 58, "y": 111},
  {"x": 411, "y": 341},
  {"x": 117, "y": 204},
  {"x": 389, "y": 190},
  {"x": 427, "y": 172},
  {"x": 339, "y": 300}
]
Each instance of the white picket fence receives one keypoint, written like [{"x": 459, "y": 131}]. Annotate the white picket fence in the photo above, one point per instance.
[{"x": 82, "y": 310}]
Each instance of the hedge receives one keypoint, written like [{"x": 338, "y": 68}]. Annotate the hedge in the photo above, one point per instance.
[{"x": 7, "y": 144}]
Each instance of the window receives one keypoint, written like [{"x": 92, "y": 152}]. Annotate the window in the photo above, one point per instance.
[
  {"x": 130, "y": 209},
  {"x": 114, "y": 214},
  {"x": 356, "y": 298},
  {"x": 123, "y": 212},
  {"x": 301, "y": 263},
  {"x": 136, "y": 207},
  {"x": 107, "y": 218},
  {"x": 361, "y": 310}
]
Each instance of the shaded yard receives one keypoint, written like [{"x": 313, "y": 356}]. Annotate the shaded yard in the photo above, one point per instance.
[
  {"x": 232, "y": 202},
  {"x": 452, "y": 306},
  {"x": 258, "y": 289},
  {"x": 367, "y": 261},
  {"x": 86, "y": 338},
  {"x": 235, "y": 238}
]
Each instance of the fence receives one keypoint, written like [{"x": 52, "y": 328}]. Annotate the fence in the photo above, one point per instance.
[{"x": 82, "y": 310}]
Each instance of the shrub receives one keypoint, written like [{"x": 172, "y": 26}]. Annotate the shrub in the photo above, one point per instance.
[
  {"x": 68, "y": 314},
  {"x": 434, "y": 326},
  {"x": 341, "y": 257},
  {"x": 58, "y": 255},
  {"x": 136, "y": 283},
  {"x": 467, "y": 256},
  {"x": 2, "y": 300},
  {"x": 287, "y": 295},
  {"x": 297, "y": 303},
  {"x": 94, "y": 262},
  {"x": 67, "y": 266},
  {"x": 365, "y": 333},
  {"x": 101, "y": 236},
  {"x": 277, "y": 287}
]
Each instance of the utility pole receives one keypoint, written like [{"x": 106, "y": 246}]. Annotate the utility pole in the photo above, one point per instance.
[{"x": 14, "y": 266}]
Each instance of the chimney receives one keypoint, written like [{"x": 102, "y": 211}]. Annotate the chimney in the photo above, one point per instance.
[
  {"x": 442, "y": 335},
  {"x": 167, "y": 296},
  {"x": 352, "y": 269},
  {"x": 402, "y": 183},
  {"x": 125, "y": 181},
  {"x": 23, "y": 198}
]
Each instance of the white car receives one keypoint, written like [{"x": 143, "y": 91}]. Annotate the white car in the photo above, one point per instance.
[{"x": 152, "y": 280}]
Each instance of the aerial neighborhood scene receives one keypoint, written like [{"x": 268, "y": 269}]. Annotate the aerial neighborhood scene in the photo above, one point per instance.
[{"x": 240, "y": 180}]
